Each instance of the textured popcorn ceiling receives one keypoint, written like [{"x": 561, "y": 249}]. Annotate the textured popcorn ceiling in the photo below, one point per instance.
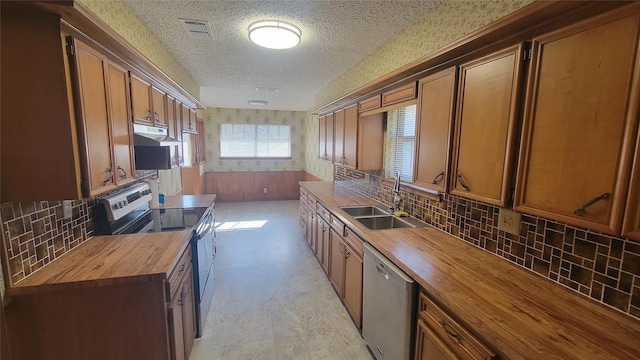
[{"x": 336, "y": 35}]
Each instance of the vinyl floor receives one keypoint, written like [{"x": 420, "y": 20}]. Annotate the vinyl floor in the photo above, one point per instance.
[{"x": 271, "y": 298}]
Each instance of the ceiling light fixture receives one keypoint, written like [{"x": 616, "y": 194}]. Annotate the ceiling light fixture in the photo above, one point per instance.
[
  {"x": 257, "y": 102},
  {"x": 274, "y": 34}
]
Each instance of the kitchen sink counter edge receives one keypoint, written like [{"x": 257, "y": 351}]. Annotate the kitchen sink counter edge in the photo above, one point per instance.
[
  {"x": 109, "y": 260},
  {"x": 519, "y": 313}
]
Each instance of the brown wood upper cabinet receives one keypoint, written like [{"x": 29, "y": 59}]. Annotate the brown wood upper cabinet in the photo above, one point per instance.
[
  {"x": 103, "y": 108},
  {"x": 159, "y": 102},
  {"x": 346, "y": 136},
  {"x": 369, "y": 104},
  {"x": 174, "y": 130},
  {"x": 141, "y": 100},
  {"x": 485, "y": 124},
  {"x": 400, "y": 94},
  {"x": 631, "y": 225},
  {"x": 325, "y": 148},
  {"x": 580, "y": 121},
  {"x": 189, "y": 120},
  {"x": 436, "y": 103},
  {"x": 148, "y": 102}
]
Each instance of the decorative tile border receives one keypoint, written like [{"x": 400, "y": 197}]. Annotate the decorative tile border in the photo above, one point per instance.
[{"x": 602, "y": 267}]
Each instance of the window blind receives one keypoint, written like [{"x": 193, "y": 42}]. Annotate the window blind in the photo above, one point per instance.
[
  {"x": 401, "y": 131},
  {"x": 255, "y": 141}
]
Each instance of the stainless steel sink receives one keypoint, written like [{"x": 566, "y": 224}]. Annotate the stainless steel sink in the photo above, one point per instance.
[
  {"x": 383, "y": 222},
  {"x": 364, "y": 210}
]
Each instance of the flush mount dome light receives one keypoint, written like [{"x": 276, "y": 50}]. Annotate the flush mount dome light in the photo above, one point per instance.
[{"x": 274, "y": 34}]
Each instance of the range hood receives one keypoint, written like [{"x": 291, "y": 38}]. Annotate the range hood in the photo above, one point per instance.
[{"x": 152, "y": 136}]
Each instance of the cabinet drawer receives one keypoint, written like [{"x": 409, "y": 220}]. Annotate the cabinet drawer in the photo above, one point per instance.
[
  {"x": 311, "y": 202},
  {"x": 173, "y": 282},
  {"x": 354, "y": 241},
  {"x": 337, "y": 225},
  {"x": 403, "y": 93},
  {"x": 303, "y": 195},
  {"x": 303, "y": 211},
  {"x": 454, "y": 335},
  {"x": 322, "y": 211},
  {"x": 369, "y": 104}
]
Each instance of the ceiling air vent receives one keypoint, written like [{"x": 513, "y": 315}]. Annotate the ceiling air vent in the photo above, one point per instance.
[{"x": 197, "y": 29}]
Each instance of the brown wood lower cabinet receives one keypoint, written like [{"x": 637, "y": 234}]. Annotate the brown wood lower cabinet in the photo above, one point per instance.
[
  {"x": 440, "y": 337},
  {"x": 143, "y": 317},
  {"x": 322, "y": 243}
]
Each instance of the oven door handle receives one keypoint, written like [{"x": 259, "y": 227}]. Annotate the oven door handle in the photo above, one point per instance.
[{"x": 205, "y": 226}]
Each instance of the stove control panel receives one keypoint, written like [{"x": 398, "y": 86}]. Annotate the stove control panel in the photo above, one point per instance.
[{"x": 121, "y": 204}]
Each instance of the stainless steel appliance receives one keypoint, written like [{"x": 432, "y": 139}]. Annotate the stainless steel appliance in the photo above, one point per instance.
[
  {"x": 388, "y": 305},
  {"x": 128, "y": 212}
]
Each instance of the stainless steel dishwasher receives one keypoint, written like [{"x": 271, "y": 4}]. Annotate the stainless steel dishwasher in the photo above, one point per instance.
[{"x": 388, "y": 303}]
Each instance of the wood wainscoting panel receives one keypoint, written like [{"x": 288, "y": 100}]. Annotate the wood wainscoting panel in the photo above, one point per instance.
[{"x": 237, "y": 186}]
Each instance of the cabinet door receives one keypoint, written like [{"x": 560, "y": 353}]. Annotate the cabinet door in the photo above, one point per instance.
[
  {"x": 325, "y": 251},
  {"x": 435, "y": 119},
  {"x": 322, "y": 137},
  {"x": 353, "y": 284},
  {"x": 120, "y": 121},
  {"x": 176, "y": 327},
  {"x": 311, "y": 225},
  {"x": 321, "y": 229},
  {"x": 632, "y": 214},
  {"x": 429, "y": 346},
  {"x": 188, "y": 312},
  {"x": 329, "y": 137},
  {"x": 579, "y": 116},
  {"x": 141, "y": 100},
  {"x": 350, "y": 136},
  {"x": 159, "y": 102},
  {"x": 484, "y": 133},
  {"x": 93, "y": 110},
  {"x": 174, "y": 130},
  {"x": 338, "y": 137},
  {"x": 336, "y": 262},
  {"x": 192, "y": 121}
]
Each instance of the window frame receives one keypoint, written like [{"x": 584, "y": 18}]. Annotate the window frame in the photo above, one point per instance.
[{"x": 256, "y": 142}]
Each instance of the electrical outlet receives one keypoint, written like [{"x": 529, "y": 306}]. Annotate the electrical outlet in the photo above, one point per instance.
[
  {"x": 66, "y": 209},
  {"x": 509, "y": 221},
  {"x": 265, "y": 190}
]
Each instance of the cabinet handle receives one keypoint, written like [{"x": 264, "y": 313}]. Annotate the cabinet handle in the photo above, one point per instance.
[
  {"x": 124, "y": 173},
  {"x": 148, "y": 115},
  {"x": 462, "y": 183},
  {"x": 347, "y": 254},
  {"x": 340, "y": 248},
  {"x": 108, "y": 177},
  {"x": 156, "y": 115},
  {"x": 445, "y": 327},
  {"x": 438, "y": 178},
  {"x": 581, "y": 209},
  {"x": 181, "y": 269}
]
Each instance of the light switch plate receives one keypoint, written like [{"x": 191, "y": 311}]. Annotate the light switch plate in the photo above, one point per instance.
[
  {"x": 509, "y": 221},
  {"x": 66, "y": 209}
]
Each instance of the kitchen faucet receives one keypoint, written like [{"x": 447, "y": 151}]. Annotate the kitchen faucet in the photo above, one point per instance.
[{"x": 396, "y": 197}]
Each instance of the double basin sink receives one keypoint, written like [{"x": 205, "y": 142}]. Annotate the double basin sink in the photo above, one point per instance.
[{"x": 377, "y": 218}]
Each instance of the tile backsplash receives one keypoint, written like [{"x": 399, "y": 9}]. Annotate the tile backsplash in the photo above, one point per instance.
[
  {"x": 602, "y": 267},
  {"x": 36, "y": 233}
]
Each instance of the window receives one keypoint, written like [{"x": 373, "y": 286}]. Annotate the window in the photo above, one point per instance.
[
  {"x": 255, "y": 141},
  {"x": 401, "y": 132}
]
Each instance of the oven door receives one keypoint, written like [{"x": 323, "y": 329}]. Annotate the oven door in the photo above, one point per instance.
[{"x": 203, "y": 242}]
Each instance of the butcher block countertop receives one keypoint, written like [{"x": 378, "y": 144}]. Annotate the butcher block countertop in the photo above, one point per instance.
[
  {"x": 518, "y": 313},
  {"x": 109, "y": 260},
  {"x": 188, "y": 201}
]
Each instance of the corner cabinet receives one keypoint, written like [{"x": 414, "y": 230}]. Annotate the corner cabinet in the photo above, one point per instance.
[
  {"x": 580, "y": 121},
  {"x": 436, "y": 104},
  {"x": 484, "y": 135},
  {"x": 102, "y": 98}
]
